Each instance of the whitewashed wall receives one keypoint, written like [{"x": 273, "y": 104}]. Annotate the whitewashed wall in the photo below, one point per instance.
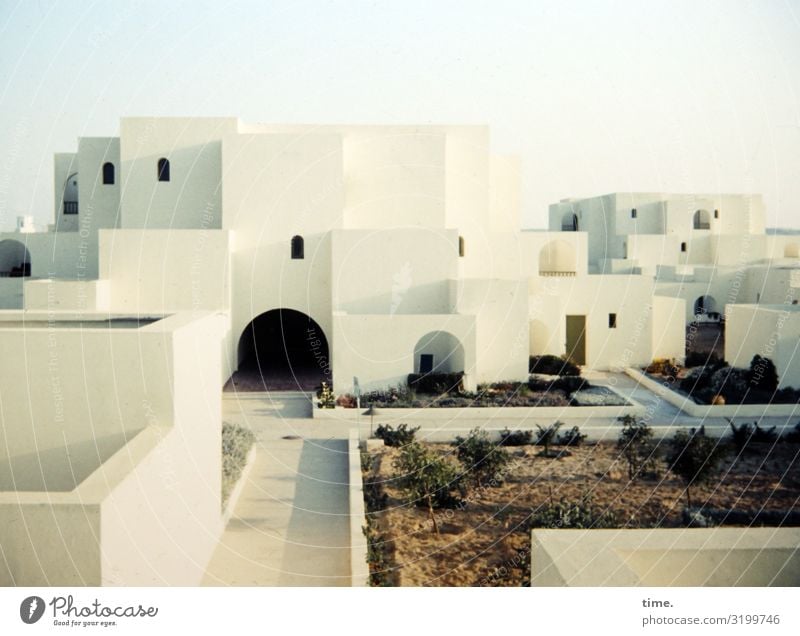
[
  {"x": 379, "y": 350},
  {"x": 156, "y": 271},
  {"x": 192, "y": 198},
  {"x": 771, "y": 331}
]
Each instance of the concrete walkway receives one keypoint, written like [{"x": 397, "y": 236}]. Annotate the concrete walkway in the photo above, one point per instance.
[
  {"x": 290, "y": 526},
  {"x": 661, "y": 412}
]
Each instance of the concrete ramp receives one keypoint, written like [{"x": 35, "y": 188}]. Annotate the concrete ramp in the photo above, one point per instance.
[{"x": 290, "y": 526}]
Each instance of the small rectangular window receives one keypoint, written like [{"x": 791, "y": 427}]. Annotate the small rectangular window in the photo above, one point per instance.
[
  {"x": 612, "y": 321},
  {"x": 633, "y": 213},
  {"x": 716, "y": 214},
  {"x": 683, "y": 247}
]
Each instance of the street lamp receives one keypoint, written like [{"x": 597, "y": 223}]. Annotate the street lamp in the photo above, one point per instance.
[{"x": 371, "y": 411}]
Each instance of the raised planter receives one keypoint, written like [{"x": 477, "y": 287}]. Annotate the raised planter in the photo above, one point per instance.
[
  {"x": 690, "y": 407},
  {"x": 233, "y": 497},
  {"x": 473, "y": 416}
]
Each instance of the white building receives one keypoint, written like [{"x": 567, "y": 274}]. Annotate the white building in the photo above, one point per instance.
[
  {"x": 186, "y": 249},
  {"x": 381, "y": 246}
]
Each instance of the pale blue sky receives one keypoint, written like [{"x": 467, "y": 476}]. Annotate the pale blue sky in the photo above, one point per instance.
[{"x": 594, "y": 96}]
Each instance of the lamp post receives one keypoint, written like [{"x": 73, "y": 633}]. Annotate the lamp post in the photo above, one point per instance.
[{"x": 371, "y": 411}]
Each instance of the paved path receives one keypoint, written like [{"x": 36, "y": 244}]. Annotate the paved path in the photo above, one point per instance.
[
  {"x": 291, "y": 523},
  {"x": 661, "y": 412}
]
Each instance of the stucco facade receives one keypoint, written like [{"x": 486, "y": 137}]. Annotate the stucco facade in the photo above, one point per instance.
[
  {"x": 403, "y": 231},
  {"x": 186, "y": 252}
]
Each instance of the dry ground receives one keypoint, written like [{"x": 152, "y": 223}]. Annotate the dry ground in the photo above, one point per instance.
[{"x": 487, "y": 542}]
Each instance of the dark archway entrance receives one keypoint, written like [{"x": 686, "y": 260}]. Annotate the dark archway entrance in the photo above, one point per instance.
[
  {"x": 15, "y": 259},
  {"x": 282, "y": 350}
]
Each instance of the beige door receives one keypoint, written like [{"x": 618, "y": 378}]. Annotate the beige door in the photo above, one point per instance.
[{"x": 576, "y": 339}]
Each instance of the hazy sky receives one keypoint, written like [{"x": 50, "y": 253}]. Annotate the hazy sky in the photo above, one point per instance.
[{"x": 594, "y": 96}]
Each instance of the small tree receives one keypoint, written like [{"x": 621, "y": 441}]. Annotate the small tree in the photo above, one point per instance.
[
  {"x": 580, "y": 514},
  {"x": 425, "y": 477},
  {"x": 547, "y": 436},
  {"x": 694, "y": 458},
  {"x": 483, "y": 460},
  {"x": 636, "y": 444}
]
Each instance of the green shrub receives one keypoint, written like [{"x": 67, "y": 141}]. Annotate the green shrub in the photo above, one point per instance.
[
  {"x": 381, "y": 572},
  {"x": 517, "y": 438},
  {"x": 697, "y": 380},
  {"x": 396, "y": 437},
  {"x": 570, "y": 383},
  {"x": 573, "y": 437},
  {"x": 393, "y": 396},
  {"x": 482, "y": 459},
  {"x": 366, "y": 461},
  {"x": 552, "y": 365},
  {"x": 325, "y": 397},
  {"x": 426, "y": 478},
  {"x": 236, "y": 444},
  {"x": 694, "y": 458},
  {"x": 792, "y": 436},
  {"x": 745, "y": 434},
  {"x": 546, "y": 437},
  {"x": 572, "y": 514},
  {"x": 437, "y": 383},
  {"x": 732, "y": 383},
  {"x": 636, "y": 445},
  {"x": 762, "y": 374},
  {"x": 786, "y": 395}
]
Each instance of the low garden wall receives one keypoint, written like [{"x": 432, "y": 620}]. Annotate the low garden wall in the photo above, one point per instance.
[
  {"x": 688, "y": 406},
  {"x": 149, "y": 513},
  {"x": 674, "y": 557},
  {"x": 481, "y": 413},
  {"x": 359, "y": 568}
]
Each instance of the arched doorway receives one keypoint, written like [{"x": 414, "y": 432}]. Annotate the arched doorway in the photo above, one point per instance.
[
  {"x": 15, "y": 260},
  {"x": 282, "y": 350},
  {"x": 705, "y": 305},
  {"x": 438, "y": 352}
]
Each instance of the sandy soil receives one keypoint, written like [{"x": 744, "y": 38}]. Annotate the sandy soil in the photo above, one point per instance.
[{"x": 487, "y": 542}]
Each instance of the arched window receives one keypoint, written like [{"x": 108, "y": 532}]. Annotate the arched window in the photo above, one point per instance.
[
  {"x": 298, "y": 249},
  {"x": 569, "y": 222},
  {"x": 163, "y": 169},
  {"x": 557, "y": 258},
  {"x": 108, "y": 173},
  {"x": 461, "y": 246},
  {"x": 702, "y": 220}
]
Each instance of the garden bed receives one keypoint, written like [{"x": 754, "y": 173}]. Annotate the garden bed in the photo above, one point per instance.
[
  {"x": 237, "y": 443},
  {"x": 708, "y": 380},
  {"x": 485, "y": 540},
  {"x": 540, "y": 391}
]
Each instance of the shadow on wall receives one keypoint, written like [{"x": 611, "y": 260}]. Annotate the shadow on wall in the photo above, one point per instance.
[
  {"x": 59, "y": 469},
  {"x": 318, "y": 535}
]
